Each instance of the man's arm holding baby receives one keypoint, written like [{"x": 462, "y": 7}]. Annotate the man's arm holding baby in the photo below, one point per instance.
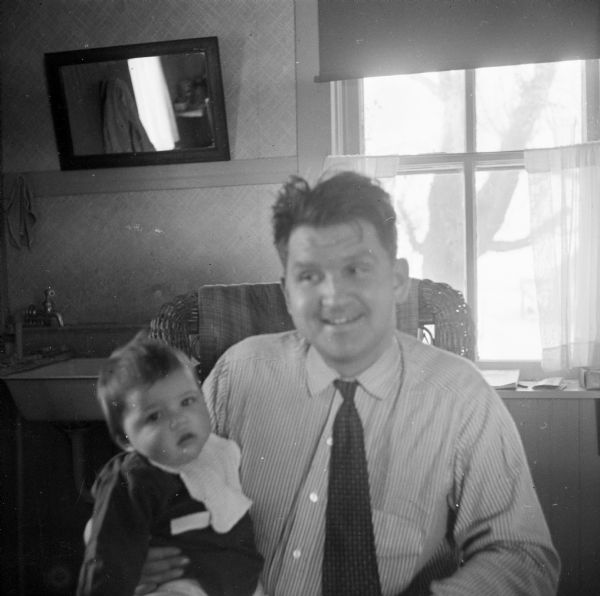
[{"x": 163, "y": 564}]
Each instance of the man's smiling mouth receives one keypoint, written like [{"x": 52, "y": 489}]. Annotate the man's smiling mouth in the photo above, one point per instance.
[{"x": 338, "y": 321}]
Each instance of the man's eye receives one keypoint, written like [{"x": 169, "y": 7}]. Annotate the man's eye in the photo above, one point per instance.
[
  {"x": 359, "y": 269},
  {"x": 308, "y": 276},
  {"x": 188, "y": 401}
]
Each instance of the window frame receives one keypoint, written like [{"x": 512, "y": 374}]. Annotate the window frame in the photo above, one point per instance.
[{"x": 347, "y": 134}]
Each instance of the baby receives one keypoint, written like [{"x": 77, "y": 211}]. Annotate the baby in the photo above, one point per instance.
[{"x": 174, "y": 484}]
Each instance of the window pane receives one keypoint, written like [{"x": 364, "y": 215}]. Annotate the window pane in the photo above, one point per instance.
[
  {"x": 431, "y": 225},
  {"x": 529, "y": 106},
  {"x": 411, "y": 114},
  {"x": 507, "y": 321}
]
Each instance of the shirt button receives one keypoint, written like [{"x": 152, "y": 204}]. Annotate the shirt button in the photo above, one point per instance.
[
  {"x": 313, "y": 497},
  {"x": 296, "y": 554},
  {"x": 329, "y": 441}
]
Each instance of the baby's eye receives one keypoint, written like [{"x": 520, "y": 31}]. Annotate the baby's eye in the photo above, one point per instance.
[
  {"x": 188, "y": 401},
  {"x": 153, "y": 417}
]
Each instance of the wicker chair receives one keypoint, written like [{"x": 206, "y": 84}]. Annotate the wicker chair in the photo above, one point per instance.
[{"x": 205, "y": 322}]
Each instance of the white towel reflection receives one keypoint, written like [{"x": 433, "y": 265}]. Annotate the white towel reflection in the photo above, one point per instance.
[{"x": 154, "y": 102}]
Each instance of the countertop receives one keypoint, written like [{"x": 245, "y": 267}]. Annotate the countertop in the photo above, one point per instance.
[{"x": 572, "y": 391}]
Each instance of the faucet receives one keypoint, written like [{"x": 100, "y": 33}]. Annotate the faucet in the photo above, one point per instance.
[{"x": 48, "y": 304}]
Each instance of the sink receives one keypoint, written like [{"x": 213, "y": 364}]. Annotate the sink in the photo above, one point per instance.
[{"x": 63, "y": 390}]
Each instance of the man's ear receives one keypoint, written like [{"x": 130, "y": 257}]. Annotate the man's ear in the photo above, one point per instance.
[
  {"x": 285, "y": 292},
  {"x": 401, "y": 280}
]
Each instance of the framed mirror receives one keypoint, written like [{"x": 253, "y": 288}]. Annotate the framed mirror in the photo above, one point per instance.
[{"x": 143, "y": 104}]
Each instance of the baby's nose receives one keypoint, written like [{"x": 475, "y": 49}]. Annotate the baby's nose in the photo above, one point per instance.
[{"x": 176, "y": 420}]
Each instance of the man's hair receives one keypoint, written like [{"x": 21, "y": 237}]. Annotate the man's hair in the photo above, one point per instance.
[
  {"x": 135, "y": 366},
  {"x": 341, "y": 198}
]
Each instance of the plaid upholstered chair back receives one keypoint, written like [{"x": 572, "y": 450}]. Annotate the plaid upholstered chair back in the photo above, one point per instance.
[{"x": 204, "y": 323}]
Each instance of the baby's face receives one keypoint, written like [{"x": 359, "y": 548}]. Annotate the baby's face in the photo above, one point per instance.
[{"x": 169, "y": 421}]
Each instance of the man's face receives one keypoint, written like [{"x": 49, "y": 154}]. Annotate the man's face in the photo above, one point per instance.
[{"x": 341, "y": 288}]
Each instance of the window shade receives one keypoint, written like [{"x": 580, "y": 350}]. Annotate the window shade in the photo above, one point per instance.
[{"x": 364, "y": 38}]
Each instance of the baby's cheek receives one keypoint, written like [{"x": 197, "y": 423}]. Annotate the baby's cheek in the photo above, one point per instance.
[{"x": 157, "y": 449}]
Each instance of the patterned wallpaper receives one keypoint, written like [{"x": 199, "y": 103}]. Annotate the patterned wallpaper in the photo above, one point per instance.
[{"x": 117, "y": 257}]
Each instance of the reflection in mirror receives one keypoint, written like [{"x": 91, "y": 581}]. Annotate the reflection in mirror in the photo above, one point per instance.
[{"x": 137, "y": 105}]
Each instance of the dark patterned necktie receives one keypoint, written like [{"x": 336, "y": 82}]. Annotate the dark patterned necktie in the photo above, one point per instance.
[{"x": 349, "y": 558}]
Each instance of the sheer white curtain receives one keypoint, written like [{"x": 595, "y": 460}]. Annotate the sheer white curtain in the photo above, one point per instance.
[{"x": 564, "y": 188}]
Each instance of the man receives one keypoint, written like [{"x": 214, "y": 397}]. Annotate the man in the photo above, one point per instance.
[{"x": 453, "y": 505}]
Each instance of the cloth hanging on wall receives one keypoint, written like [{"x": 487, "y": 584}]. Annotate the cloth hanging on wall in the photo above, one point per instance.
[{"x": 20, "y": 218}]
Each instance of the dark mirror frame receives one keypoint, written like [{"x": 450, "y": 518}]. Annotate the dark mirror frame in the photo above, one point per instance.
[{"x": 217, "y": 151}]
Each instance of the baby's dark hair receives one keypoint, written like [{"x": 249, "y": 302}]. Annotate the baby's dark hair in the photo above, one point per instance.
[
  {"x": 341, "y": 198},
  {"x": 135, "y": 366}
]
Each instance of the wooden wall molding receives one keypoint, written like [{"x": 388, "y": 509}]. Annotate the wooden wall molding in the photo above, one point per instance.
[{"x": 243, "y": 172}]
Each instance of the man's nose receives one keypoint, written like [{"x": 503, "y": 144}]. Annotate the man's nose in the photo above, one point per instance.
[{"x": 332, "y": 288}]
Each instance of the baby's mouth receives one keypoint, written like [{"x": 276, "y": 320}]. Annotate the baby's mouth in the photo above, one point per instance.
[{"x": 184, "y": 440}]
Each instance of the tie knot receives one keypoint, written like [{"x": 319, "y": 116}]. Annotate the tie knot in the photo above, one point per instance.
[{"x": 346, "y": 388}]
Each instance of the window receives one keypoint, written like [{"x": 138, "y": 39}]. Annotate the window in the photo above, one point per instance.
[{"x": 460, "y": 189}]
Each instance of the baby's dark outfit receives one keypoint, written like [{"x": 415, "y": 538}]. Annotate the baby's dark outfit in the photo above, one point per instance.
[{"x": 137, "y": 505}]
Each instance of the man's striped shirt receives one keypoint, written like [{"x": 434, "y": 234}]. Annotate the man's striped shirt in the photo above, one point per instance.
[{"x": 454, "y": 508}]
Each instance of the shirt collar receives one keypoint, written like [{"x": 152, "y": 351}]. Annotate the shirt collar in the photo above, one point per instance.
[
  {"x": 377, "y": 380},
  {"x": 206, "y": 479}
]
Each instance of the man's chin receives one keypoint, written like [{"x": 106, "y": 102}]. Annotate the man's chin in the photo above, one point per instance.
[
  {"x": 340, "y": 358},
  {"x": 343, "y": 338}
]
